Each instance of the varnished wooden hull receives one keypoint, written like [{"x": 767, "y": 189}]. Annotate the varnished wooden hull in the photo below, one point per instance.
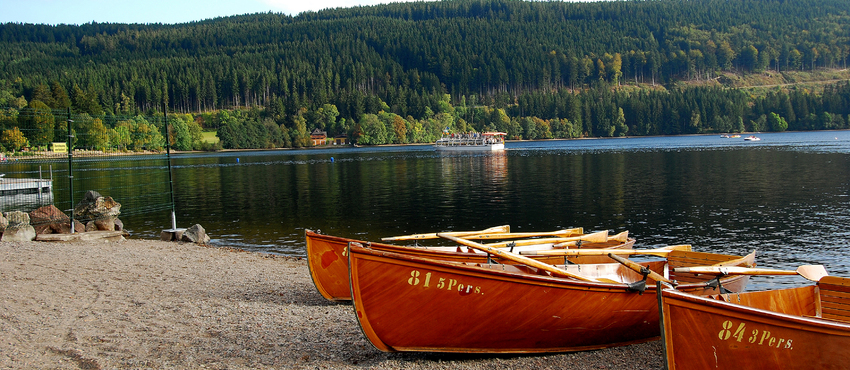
[
  {"x": 785, "y": 330},
  {"x": 328, "y": 262},
  {"x": 406, "y": 303}
]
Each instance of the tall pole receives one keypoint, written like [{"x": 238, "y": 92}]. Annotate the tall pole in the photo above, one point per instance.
[
  {"x": 170, "y": 177},
  {"x": 71, "y": 168}
]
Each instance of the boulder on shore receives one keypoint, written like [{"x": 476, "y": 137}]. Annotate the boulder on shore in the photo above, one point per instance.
[
  {"x": 50, "y": 220},
  {"x": 96, "y": 207},
  {"x": 19, "y": 228},
  {"x": 195, "y": 234},
  {"x": 98, "y": 212}
]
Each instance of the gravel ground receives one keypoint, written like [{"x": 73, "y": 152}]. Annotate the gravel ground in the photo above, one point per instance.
[{"x": 152, "y": 304}]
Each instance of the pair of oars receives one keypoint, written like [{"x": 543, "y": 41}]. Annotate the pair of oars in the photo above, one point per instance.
[
  {"x": 466, "y": 234},
  {"x": 497, "y": 232},
  {"x": 559, "y": 272},
  {"x": 562, "y": 238},
  {"x": 563, "y": 242},
  {"x": 811, "y": 272},
  {"x": 615, "y": 254}
]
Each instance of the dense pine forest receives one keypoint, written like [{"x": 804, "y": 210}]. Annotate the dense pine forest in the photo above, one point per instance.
[{"x": 404, "y": 72}]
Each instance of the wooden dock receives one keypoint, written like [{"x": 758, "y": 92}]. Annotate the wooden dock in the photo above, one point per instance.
[{"x": 10, "y": 186}]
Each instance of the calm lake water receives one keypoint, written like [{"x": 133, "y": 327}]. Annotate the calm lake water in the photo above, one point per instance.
[{"x": 786, "y": 196}]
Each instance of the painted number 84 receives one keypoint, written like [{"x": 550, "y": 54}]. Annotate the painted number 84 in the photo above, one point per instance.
[{"x": 754, "y": 336}]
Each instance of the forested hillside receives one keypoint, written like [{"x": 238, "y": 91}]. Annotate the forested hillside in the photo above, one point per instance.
[{"x": 403, "y": 72}]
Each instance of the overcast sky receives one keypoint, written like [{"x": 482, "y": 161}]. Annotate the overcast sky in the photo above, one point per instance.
[{"x": 155, "y": 11}]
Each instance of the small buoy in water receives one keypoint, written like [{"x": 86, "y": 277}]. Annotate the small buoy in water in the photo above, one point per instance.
[{"x": 332, "y": 159}]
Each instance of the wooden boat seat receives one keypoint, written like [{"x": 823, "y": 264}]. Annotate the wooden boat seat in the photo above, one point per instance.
[{"x": 834, "y": 295}]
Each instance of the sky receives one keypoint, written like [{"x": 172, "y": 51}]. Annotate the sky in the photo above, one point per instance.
[{"x": 155, "y": 11}]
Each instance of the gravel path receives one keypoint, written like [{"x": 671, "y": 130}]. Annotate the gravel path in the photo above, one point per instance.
[{"x": 151, "y": 304}]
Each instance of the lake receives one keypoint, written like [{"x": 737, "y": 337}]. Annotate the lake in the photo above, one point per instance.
[{"x": 786, "y": 196}]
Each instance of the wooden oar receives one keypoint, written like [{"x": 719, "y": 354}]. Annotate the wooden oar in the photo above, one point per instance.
[
  {"x": 641, "y": 269},
  {"x": 811, "y": 272},
  {"x": 621, "y": 237},
  {"x": 661, "y": 252},
  {"x": 561, "y": 233},
  {"x": 597, "y": 237},
  {"x": 492, "y": 230},
  {"x": 515, "y": 257},
  {"x": 738, "y": 261}
]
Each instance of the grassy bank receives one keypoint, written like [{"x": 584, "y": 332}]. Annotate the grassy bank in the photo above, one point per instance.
[{"x": 210, "y": 137}]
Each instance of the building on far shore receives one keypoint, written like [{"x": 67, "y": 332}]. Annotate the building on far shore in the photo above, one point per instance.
[
  {"x": 341, "y": 139},
  {"x": 319, "y": 137}
]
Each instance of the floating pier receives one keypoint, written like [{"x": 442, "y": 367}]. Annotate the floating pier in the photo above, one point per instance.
[{"x": 9, "y": 186}]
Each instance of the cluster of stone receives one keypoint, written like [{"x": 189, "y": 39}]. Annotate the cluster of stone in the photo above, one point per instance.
[
  {"x": 98, "y": 212},
  {"x": 94, "y": 212}
]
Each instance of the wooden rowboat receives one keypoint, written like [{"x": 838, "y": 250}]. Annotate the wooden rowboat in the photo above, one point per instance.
[
  {"x": 796, "y": 328},
  {"x": 410, "y": 303},
  {"x": 328, "y": 260}
]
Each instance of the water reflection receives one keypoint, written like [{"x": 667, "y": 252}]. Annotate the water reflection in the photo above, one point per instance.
[
  {"x": 787, "y": 196},
  {"x": 25, "y": 202}
]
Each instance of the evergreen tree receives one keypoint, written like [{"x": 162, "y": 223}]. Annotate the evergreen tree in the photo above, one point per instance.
[
  {"x": 37, "y": 123},
  {"x": 776, "y": 123},
  {"x": 60, "y": 96}
]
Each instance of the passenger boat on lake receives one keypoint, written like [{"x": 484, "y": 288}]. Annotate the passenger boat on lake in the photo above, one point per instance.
[
  {"x": 328, "y": 260},
  {"x": 410, "y": 303},
  {"x": 486, "y": 141},
  {"x": 794, "y": 328}
]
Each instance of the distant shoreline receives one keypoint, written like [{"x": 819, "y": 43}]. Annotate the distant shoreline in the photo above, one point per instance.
[{"x": 95, "y": 153}]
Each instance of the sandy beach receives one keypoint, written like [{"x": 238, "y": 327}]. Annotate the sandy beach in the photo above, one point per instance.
[{"x": 164, "y": 305}]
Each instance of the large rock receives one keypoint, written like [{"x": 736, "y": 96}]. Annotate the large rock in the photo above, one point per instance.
[
  {"x": 23, "y": 234},
  {"x": 195, "y": 234},
  {"x": 19, "y": 228},
  {"x": 17, "y": 219},
  {"x": 97, "y": 212},
  {"x": 49, "y": 220},
  {"x": 106, "y": 224},
  {"x": 65, "y": 228},
  {"x": 95, "y": 206}
]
